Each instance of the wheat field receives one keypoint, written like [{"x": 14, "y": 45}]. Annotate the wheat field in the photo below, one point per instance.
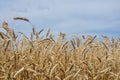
[{"x": 42, "y": 57}]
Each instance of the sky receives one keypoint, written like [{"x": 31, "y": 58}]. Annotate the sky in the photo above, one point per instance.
[{"x": 95, "y": 17}]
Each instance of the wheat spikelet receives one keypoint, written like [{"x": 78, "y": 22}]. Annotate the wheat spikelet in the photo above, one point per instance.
[
  {"x": 33, "y": 29},
  {"x": 83, "y": 36},
  {"x": 105, "y": 45},
  {"x": 48, "y": 32},
  {"x": 19, "y": 71},
  {"x": 76, "y": 74},
  {"x": 64, "y": 45},
  {"x": 78, "y": 41},
  {"x": 31, "y": 36},
  {"x": 24, "y": 35},
  {"x": 62, "y": 35},
  {"x": 7, "y": 45},
  {"x": 9, "y": 30},
  {"x": 73, "y": 44},
  {"x": 37, "y": 35},
  {"x": 41, "y": 31},
  {"x": 105, "y": 70},
  {"x": 52, "y": 70},
  {"x": 21, "y": 18},
  {"x": 69, "y": 69},
  {"x": 4, "y": 36}
]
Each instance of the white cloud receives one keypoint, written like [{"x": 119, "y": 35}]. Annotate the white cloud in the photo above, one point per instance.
[{"x": 66, "y": 15}]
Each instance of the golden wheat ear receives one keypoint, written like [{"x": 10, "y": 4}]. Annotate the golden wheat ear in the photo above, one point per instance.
[
  {"x": 21, "y": 18},
  {"x": 8, "y": 29}
]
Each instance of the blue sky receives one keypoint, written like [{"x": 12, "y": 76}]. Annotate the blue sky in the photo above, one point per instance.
[{"x": 69, "y": 16}]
